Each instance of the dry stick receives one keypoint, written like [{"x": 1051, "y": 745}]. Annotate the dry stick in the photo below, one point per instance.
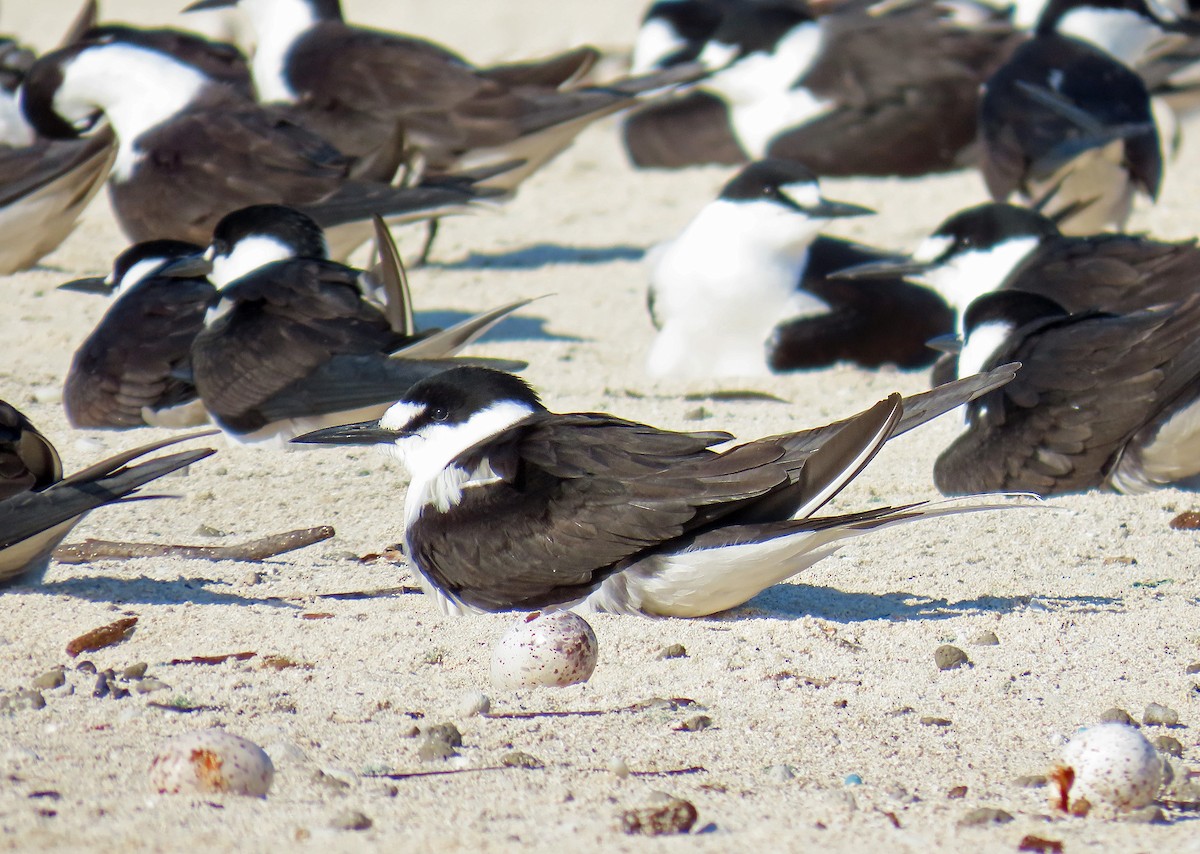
[{"x": 254, "y": 550}]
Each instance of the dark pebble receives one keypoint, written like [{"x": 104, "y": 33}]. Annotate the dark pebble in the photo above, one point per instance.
[
  {"x": 932, "y": 721},
  {"x": 85, "y": 667},
  {"x": 949, "y": 657},
  {"x": 50, "y": 679},
  {"x": 1117, "y": 716},
  {"x": 520, "y": 759},
  {"x": 675, "y": 816},
  {"x": 1169, "y": 745},
  {"x": 351, "y": 820},
  {"x": 1192, "y": 668},
  {"x": 101, "y": 689},
  {"x": 447, "y": 733},
  {"x": 134, "y": 671},
  {"x": 695, "y": 724},
  {"x": 985, "y": 815},
  {"x": 957, "y": 793}
]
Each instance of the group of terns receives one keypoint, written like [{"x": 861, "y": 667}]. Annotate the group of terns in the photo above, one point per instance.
[{"x": 245, "y": 185}]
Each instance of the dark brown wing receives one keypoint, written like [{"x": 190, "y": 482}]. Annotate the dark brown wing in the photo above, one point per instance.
[
  {"x": 686, "y": 130},
  {"x": 905, "y": 84},
  {"x": 577, "y": 495},
  {"x": 1115, "y": 273},
  {"x": 554, "y": 71},
  {"x": 286, "y": 321},
  {"x": 139, "y": 355},
  {"x": 1087, "y": 384}
]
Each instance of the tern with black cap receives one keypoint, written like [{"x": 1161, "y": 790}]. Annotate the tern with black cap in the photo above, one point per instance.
[{"x": 513, "y": 507}]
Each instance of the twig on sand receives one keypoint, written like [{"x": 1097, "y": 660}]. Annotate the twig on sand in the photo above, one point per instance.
[{"x": 254, "y": 550}]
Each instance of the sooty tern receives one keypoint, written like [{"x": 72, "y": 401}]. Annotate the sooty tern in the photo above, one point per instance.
[
  {"x": 744, "y": 288},
  {"x": 191, "y": 149},
  {"x": 993, "y": 246},
  {"x": 296, "y": 340},
  {"x": 368, "y": 90},
  {"x": 861, "y": 89},
  {"x": 513, "y": 507},
  {"x": 134, "y": 369},
  {"x": 1070, "y": 130},
  {"x": 1101, "y": 399},
  {"x": 39, "y": 507}
]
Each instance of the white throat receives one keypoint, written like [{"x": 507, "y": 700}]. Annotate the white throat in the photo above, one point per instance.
[
  {"x": 973, "y": 273},
  {"x": 137, "y": 89},
  {"x": 1122, "y": 33},
  {"x": 429, "y": 455},
  {"x": 246, "y": 256},
  {"x": 278, "y": 24},
  {"x": 981, "y": 346}
]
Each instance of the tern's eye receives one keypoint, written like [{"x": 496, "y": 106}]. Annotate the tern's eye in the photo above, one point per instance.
[{"x": 438, "y": 414}]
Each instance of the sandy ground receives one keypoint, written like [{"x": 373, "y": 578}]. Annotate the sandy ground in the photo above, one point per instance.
[{"x": 1094, "y": 603}]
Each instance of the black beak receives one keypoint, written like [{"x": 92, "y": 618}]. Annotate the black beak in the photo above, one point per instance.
[
  {"x": 951, "y": 343},
  {"x": 201, "y": 5},
  {"x": 92, "y": 285},
  {"x": 827, "y": 209},
  {"x": 187, "y": 267},
  {"x": 362, "y": 433},
  {"x": 883, "y": 270}
]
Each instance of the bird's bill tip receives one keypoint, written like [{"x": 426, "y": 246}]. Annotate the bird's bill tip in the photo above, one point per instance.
[
  {"x": 951, "y": 343},
  {"x": 201, "y": 5},
  {"x": 881, "y": 270},
  {"x": 829, "y": 209},
  {"x": 89, "y": 285},
  {"x": 361, "y": 433}
]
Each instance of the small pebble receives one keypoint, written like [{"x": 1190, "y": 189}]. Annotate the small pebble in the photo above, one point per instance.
[
  {"x": 1146, "y": 815},
  {"x": 250, "y": 579},
  {"x": 675, "y": 816},
  {"x": 1031, "y": 781},
  {"x": 434, "y": 750},
  {"x": 447, "y": 733},
  {"x": 932, "y": 721},
  {"x": 949, "y": 657},
  {"x": 85, "y": 666},
  {"x": 149, "y": 686},
  {"x": 520, "y": 759},
  {"x": 1117, "y": 716},
  {"x": 695, "y": 724},
  {"x": 957, "y": 793},
  {"x": 985, "y": 815},
  {"x": 986, "y": 639},
  {"x": 49, "y": 680},
  {"x": 211, "y": 761},
  {"x": 101, "y": 689},
  {"x": 24, "y": 701},
  {"x": 1192, "y": 668},
  {"x": 351, "y": 820},
  {"x": 1159, "y": 715},
  {"x": 781, "y": 773},
  {"x": 1169, "y": 745},
  {"x": 134, "y": 671},
  {"x": 675, "y": 650},
  {"x": 47, "y": 394},
  {"x": 474, "y": 703},
  {"x": 853, "y": 780},
  {"x": 618, "y": 767}
]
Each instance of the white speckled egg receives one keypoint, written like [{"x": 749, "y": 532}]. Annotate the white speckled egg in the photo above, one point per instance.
[
  {"x": 554, "y": 649},
  {"x": 1110, "y": 766},
  {"x": 211, "y": 761}
]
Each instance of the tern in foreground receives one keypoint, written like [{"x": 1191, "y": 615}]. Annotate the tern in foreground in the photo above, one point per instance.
[
  {"x": 39, "y": 507},
  {"x": 514, "y": 507}
]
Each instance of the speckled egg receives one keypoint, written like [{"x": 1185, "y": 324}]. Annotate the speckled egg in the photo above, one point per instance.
[
  {"x": 553, "y": 649},
  {"x": 1110, "y": 766},
  {"x": 211, "y": 761}
]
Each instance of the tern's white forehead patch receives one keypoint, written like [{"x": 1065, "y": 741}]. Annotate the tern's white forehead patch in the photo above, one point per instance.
[
  {"x": 717, "y": 55},
  {"x": 982, "y": 345},
  {"x": 246, "y": 256},
  {"x": 932, "y": 248},
  {"x": 806, "y": 194},
  {"x": 141, "y": 270},
  {"x": 400, "y": 415}
]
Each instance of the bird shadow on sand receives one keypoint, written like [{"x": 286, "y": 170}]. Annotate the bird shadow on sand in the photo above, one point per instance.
[
  {"x": 142, "y": 590},
  {"x": 542, "y": 255},
  {"x": 828, "y": 603},
  {"x": 512, "y": 328}
]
